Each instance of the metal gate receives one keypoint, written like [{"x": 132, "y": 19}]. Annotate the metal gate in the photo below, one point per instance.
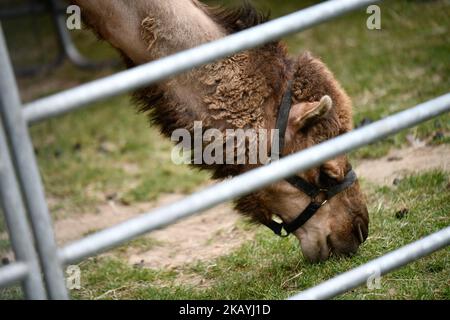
[{"x": 22, "y": 194}]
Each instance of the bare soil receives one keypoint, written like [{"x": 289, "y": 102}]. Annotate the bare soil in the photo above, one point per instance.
[
  {"x": 400, "y": 163},
  {"x": 198, "y": 238},
  {"x": 213, "y": 233}
]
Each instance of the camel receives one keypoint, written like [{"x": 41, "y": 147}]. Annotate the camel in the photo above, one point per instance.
[{"x": 244, "y": 90}]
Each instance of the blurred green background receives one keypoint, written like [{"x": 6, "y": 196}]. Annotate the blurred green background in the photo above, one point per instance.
[{"x": 108, "y": 151}]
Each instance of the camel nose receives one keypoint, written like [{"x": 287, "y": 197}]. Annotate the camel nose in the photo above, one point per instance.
[
  {"x": 348, "y": 245},
  {"x": 360, "y": 230}
]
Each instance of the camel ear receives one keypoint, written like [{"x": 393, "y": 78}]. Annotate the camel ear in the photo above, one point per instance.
[{"x": 306, "y": 112}]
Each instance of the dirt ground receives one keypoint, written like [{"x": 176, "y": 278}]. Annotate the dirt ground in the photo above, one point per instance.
[
  {"x": 214, "y": 232},
  {"x": 399, "y": 163},
  {"x": 201, "y": 237}
]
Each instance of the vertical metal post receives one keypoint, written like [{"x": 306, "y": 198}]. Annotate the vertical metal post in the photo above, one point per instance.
[
  {"x": 16, "y": 220},
  {"x": 65, "y": 41},
  {"x": 30, "y": 180},
  {"x": 67, "y": 45}
]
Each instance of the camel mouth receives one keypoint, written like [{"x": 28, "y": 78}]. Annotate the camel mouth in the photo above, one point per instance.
[
  {"x": 345, "y": 249},
  {"x": 320, "y": 248},
  {"x": 360, "y": 230}
]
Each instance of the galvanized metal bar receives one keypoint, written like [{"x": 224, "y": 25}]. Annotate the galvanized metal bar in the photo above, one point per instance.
[
  {"x": 13, "y": 273},
  {"x": 19, "y": 231},
  {"x": 67, "y": 45},
  {"x": 253, "y": 180},
  {"x": 30, "y": 181},
  {"x": 378, "y": 267},
  {"x": 65, "y": 41},
  {"x": 159, "y": 70}
]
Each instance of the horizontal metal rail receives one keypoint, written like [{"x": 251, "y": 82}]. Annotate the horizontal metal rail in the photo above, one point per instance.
[
  {"x": 13, "y": 273},
  {"x": 161, "y": 69},
  {"x": 380, "y": 266},
  {"x": 253, "y": 180}
]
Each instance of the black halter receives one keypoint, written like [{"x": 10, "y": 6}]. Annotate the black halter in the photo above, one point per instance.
[{"x": 309, "y": 189}]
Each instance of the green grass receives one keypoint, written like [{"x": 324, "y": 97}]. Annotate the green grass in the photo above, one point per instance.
[
  {"x": 272, "y": 268},
  {"x": 5, "y": 245},
  {"x": 113, "y": 151},
  {"x": 108, "y": 149},
  {"x": 389, "y": 70},
  {"x": 384, "y": 72},
  {"x": 11, "y": 293}
]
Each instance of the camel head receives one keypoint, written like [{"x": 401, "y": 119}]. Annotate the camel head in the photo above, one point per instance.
[{"x": 320, "y": 110}]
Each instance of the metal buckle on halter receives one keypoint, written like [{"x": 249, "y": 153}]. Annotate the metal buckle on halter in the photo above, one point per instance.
[
  {"x": 278, "y": 227},
  {"x": 284, "y": 233},
  {"x": 314, "y": 199}
]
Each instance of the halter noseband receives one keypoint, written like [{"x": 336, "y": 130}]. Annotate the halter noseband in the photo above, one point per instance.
[{"x": 301, "y": 184}]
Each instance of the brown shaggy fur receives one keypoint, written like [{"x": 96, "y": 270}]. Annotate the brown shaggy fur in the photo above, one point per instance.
[
  {"x": 311, "y": 81},
  {"x": 245, "y": 91},
  {"x": 238, "y": 92}
]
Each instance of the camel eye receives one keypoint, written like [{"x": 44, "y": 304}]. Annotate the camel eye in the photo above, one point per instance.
[{"x": 326, "y": 181}]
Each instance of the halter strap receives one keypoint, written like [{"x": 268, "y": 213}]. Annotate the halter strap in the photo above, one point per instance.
[
  {"x": 301, "y": 184},
  {"x": 282, "y": 122}
]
